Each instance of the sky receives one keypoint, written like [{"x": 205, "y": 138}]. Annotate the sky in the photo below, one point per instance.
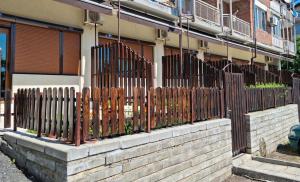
[{"x": 3, "y": 45}]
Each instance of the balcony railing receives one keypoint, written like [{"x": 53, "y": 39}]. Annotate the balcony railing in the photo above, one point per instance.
[
  {"x": 239, "y": 26},
  {"x": 275, "y": 6},
  {"x": 207, "y": 12},
  {"x": 289, "y": 47},
  {"x": 277, "y": 42},
  {"x": 289, "y": 16}
]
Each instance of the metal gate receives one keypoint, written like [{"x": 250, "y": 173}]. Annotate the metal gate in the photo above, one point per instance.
[{"x": 236, "y": 108}]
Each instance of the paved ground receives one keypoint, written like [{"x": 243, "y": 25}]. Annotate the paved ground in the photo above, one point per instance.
[
  {"x": 261, "y": 170},
  {"x": 235, "y": 178},
  {"x": 9, "y": 172},
  {"x": 285, "y": 153}
]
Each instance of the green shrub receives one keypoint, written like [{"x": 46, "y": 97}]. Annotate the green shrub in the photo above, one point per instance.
[{"x": 268, "y": 85}]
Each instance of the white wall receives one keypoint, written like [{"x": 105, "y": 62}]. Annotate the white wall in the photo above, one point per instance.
[{"x": 44, "y": 81}]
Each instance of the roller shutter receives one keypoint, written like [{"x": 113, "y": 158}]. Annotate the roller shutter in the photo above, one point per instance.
[
  {"x": 71, "y": 53},
  {"x": 37, "y": 50}
]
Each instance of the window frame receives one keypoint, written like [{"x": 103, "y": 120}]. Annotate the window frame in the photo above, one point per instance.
[{"x": 260, "y": 19}]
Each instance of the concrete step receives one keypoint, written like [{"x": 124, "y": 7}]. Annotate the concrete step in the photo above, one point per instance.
[{"x": 265, "y": 171}]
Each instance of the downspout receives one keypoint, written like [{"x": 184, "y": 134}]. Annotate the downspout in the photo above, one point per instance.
[
  {"x": 221, "y": 15},
  {"x": 254, "y": 34},
  {"x": 231, "y": 18}
]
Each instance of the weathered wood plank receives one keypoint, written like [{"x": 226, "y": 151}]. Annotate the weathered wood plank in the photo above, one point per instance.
[
  {"x": 59, "y": 112},
  {"x": 71, "y": 114},
  {"x": 121, "y": 114},
  {"x": 96, "y": 114},
  {"x": 65, "y": 112}
]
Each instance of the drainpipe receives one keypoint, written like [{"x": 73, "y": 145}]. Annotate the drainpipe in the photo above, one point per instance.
[
  {"x": 231, "y": 18},
  {"x": 221, "y": 15},
  {"x": 119, "y": 32},
  {"x": 254, "y": 36}
]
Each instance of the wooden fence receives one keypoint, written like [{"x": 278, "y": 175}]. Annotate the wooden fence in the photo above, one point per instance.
[
  {"x": 296, "y": 93},
  {"x": 191, "y": 72},
  {"x": 258, "y": 99},
  {"x": 76, "y": 118},
  {"x": 117, "y": 65}
]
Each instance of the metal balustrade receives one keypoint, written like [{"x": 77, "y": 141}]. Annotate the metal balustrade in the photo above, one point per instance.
[
  {"x": 207, "y": 12},
  {"x": 239, "y": 26}
]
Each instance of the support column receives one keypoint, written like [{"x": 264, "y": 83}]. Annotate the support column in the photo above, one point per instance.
[
  {"x": 200, "y": 54},
  {"x": 266, "y": 67},
  {"x": 87, "y": 41},
  {"x": 279, "y": 65},
  {"x": 158, "y": 53},
  {"x": 231, "y": 18}
]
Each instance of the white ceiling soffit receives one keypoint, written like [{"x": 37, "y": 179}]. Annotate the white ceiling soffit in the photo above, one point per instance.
[
  {"x": 90, "y": 5},
  {"x": 261, "y": 5}
]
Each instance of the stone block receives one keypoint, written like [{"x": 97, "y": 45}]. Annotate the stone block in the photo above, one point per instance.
[
  {"x": 67, "y": 153},
  {"x": 160, "y": 134},
  {"x": 31, "y": 144},
  {"x": 134, "y": 140},
  {"x": 103, "y": 146}
]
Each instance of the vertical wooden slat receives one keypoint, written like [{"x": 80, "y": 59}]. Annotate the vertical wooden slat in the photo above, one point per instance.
[
  {"x": 152, "y": 116},
  {"x": 158, "y": 106},
  {"x": 105, "y": 118},
  {"x": 59, "y": 112},
  {"x": 113, "y": 111},
  {"x": 85, "y": 113},
  {"x": 37, "y": 109},
  {"x": 135, "y": 109},
  {"x": 48, "y": 111},
  {"x": 96, "y": 115},
  {"x": 71, "y": 116},
  {"x": 142, "y": 110},
  {"x": 43, "y": 113},
  {"x": 53, "y": 112},
  {"x": 78, "y": 119},
  {"x": 65, "y": 113},
  {"x": 121, "y": 114}
]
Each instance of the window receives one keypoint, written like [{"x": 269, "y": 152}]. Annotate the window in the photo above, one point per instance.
[
  {"x": 276, "y": 29},
  {"x": 260, "y": 19},
  {"x": 46, "y": 51}
]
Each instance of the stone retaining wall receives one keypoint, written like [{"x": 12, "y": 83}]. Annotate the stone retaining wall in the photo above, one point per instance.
[
  {"x": 198, "y": 152},
  {"x": 267, "y": 129}
]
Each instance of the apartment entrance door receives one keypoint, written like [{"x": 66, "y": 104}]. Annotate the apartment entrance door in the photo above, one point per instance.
[{"x": 4, "y": 55}]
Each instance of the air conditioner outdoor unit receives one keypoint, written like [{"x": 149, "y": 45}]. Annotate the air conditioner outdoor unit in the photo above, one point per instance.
[
  {"x": 92, "y": 18},
  {"x": 202, "y": 44},
  {"x": 161, "y": 34},
  {"x": 273, "y": 21}
]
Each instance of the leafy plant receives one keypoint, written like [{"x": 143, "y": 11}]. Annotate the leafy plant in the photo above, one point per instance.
[
  {"x": 31, "y": 131},
  {"x": 268, "y": 85},
  {"x": 128, "y": 128}
]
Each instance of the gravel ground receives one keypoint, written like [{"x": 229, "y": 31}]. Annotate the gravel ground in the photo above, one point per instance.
[{"x": 9, "y": 172}]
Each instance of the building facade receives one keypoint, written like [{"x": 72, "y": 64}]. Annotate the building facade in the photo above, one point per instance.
[{"x": 47, "y": 43}]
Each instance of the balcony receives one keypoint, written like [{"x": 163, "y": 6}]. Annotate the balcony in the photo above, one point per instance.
[
  {"x": 207, "y": 17},
  {"x": 289, "y": 47},
  {"x": 240, "y": 26},
  {"x": 166, "y": 10},
  {"x": 207, "y": 12},
  {"x": 277, "y": 42}
]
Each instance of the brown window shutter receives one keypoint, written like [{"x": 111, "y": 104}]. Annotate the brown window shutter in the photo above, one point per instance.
[
  {"x": 37, "y": 50},
  {"x": 71, "y": 53},
  {"x": 148, "y": 52}
]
